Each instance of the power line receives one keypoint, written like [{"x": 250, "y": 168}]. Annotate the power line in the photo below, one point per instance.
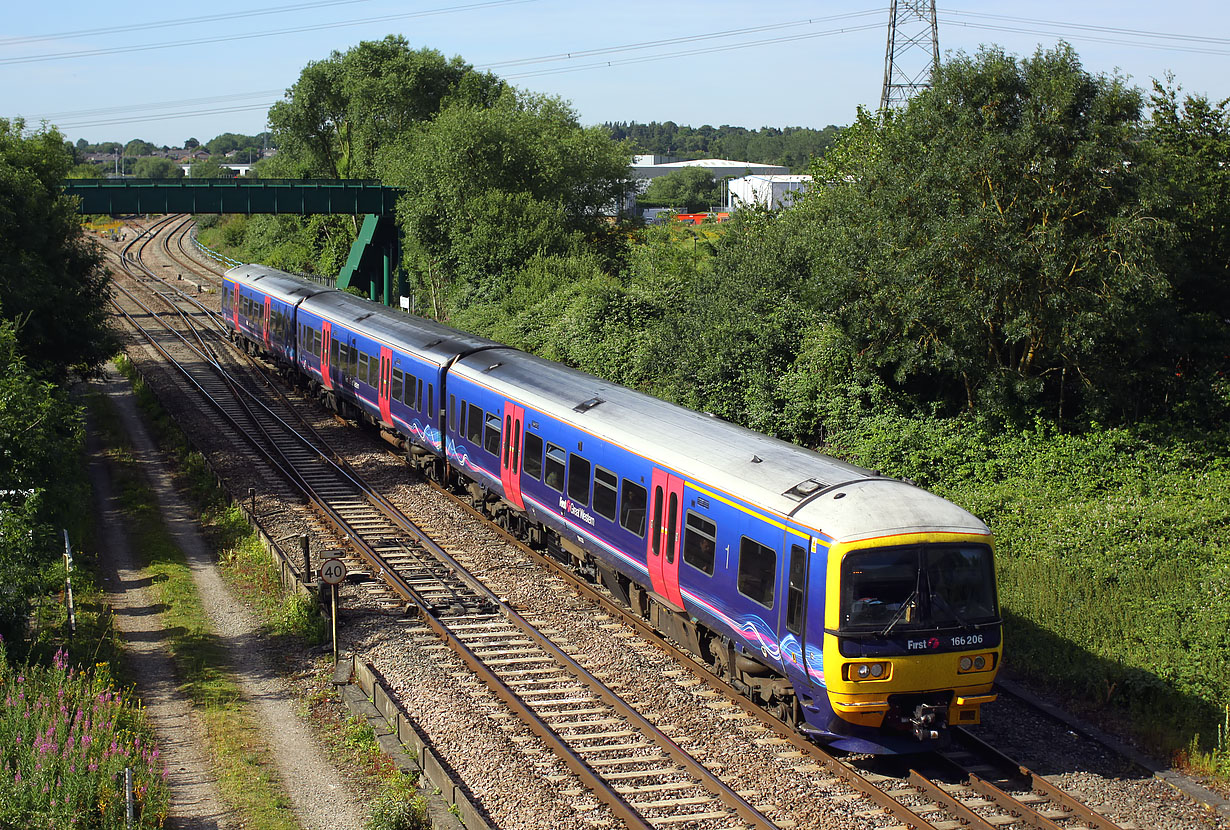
[
  {"x": 1089, "y": 27},
  {"x": 167, "y": 24},
  {"x": 121, "y": 50},
  {"x": 987, "y": 27}
]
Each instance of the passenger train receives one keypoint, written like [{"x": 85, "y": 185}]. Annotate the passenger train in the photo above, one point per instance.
[{"x": 859, "y": 608}]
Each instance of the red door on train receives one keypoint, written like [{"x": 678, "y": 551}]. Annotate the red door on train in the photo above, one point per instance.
[
  {"x": 510, "y": 453},
  {"x": 382, "y": 388},
  {"x": 665, "y": 530},
  {"x": 235, "y": 307},
  {"x": 326, "y": 340}
]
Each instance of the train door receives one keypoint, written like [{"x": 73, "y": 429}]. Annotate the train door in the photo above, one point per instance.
[
  {"x": 326, "y": 340},
  {"x": 384, "y": 384},
  {"x": 792, "y": 620},
  {"x": 235, "y": 307},
  {"x": 510, "y": 453},
  {"x": 665, "y": 530},
  {"x": 268, "y": 315}
]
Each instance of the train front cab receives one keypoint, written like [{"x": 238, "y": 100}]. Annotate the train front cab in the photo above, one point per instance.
[{"x": 912, "y": 640}]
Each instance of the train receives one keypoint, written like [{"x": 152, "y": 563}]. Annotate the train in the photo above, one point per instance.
[{"x": 858, "y": 608}]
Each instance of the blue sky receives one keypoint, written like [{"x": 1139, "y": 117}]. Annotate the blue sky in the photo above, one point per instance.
[{"x": 79, "y": 66}]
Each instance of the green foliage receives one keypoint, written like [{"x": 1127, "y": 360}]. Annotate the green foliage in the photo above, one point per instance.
[
  {"x": 343, "y": 109},
  {"x": 137, "y": 148},
  {"x": 155, "y": 167},
  {"x": 399, "y": 807},
  {"x": 475, "y": 173},
  {"x": 54, "y": 284},
  {"x": 988, "y": 247},
  {"x": 689, "y": 190},
  {"x": 66, "y": 737},
  {"x": 209, "y": 169},
  {"x": 86, "y": 170},
  {"x": 40, "y": 433}
]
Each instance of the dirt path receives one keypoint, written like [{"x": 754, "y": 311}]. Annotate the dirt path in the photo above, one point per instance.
[{"x": 316, "y": 788}]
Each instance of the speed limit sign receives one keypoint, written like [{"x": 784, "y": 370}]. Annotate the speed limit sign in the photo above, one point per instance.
[{"x": 333, "y": 571}]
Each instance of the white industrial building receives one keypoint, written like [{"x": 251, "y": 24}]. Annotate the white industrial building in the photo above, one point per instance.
[{"x": 775, "y": 191}]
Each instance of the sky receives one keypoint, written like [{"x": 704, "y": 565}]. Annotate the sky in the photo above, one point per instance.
[{"x": 166, "y": 72}]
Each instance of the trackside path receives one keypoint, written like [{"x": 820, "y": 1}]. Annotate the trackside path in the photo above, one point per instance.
[{"x": 315, "y": 787}]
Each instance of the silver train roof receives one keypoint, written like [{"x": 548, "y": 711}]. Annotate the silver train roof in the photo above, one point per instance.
[{"x": 844, "y": 501}]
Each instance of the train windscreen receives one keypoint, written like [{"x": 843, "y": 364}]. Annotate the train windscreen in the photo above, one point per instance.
[{"x": 917, "y": 587}]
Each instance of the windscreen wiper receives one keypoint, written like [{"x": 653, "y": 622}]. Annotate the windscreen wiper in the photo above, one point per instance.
[{"x": 905, "y": 606}]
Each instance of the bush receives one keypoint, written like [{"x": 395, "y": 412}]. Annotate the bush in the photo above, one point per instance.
[{"x": 66, "y": 737}]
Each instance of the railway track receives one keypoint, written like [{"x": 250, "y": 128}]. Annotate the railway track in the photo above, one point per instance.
[{"x": 644, "y": 776}]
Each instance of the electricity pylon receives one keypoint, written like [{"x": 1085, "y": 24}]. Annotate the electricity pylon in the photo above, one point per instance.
[{"x": 913, "y": 50}]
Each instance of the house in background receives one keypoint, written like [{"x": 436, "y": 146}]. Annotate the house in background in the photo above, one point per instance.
[{"x": 774, "y": 191}]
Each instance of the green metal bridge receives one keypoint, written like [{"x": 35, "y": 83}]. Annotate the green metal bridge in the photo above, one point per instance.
[{"x": 373, "y": 255}]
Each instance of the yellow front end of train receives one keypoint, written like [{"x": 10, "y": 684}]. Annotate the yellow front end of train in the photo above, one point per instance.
[{"x": 913, "y": 637}]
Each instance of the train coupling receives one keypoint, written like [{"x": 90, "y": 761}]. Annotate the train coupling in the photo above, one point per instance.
[{"x": 928, "y": 719}]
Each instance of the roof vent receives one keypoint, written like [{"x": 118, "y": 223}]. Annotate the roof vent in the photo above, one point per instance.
[
  {"x": 363, "y": 317},
  {"x": 803, "y": 489},
  {"x": 493, "y": 366},
  {"x": 756, "y": 459},
  {"x": 433, "y": 343},
  {"x": 586, "y": 406}
]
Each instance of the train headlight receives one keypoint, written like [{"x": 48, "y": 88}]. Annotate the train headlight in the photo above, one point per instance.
[
  {"x": 866, "y": 671},
  {"x": 975, "y": 662}
]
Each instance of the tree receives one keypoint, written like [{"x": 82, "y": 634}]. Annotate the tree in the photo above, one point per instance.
[
  {"x": 988, "y": 246},
  {"x": 153, "y": 167},
  {"x": 343, "y": 109},
  {"x": 86, "y": 170},
  {"x": 191, "y": 144},
  {"x": 489, "y": 187},
  {"x": 689, "y": 189},
  {"x": 209, "y": 169},
  {"x": 138, "y": 148},
  {"x": 52, "y": 280}
]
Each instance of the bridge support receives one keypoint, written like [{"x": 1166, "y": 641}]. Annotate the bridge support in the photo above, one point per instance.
[{"x": 369, "y": 266}]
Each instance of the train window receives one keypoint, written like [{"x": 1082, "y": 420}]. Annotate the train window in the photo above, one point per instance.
[
  {"x": 354, "y": 361},
  {"x": 431, "y": 401},
  {"x": 316, "y": 341},
  {"x": 632, "y": 507},
  {"x": 533, "y": 456},
  {"x": 418, "y": 397},
  {"x": 796, "y": 592},
  {"x": 555, "y": 468},
  {"x": 672, "y": 527},
  {"x": 578, "y": 478},
  {"x": 364, "y": 368},
  {"x": 452, "y": 414},
  {"x": 461, "y": 430},
  {"x": 334, "y": 350},
  {"x": 396, "y": 389},
  {"x": 757, "y": 571},
  {"x": 606, "y": 492},
  {"x": 699, "y": 542},
  {"x": 474, "y": 425},
  {"x": 492, "y": 438},
  {"x": 508, "y": 430}
]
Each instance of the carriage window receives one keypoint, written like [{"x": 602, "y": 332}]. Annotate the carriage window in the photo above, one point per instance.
[
  {"x": 364, "y": 367},
  {"x": 555, "y": 468},
  {"x": 398, "y": 378},
  {"x": 796, "y": 593},
  {"x": 315, "y": 342},
  {"x": 354, "y": 361},
  {"x": 656, "y": 527},
  {"x": 578, "y": 479},
  {"x": 699, "y": 542},
  {"x": 492, "y": 442},
  {"x": 606, "y": 491},
  {"x": 452, "y": 413},
  {"x": 632, "y": 507},
  {"x": 757, "y": 571},
  {"x": 533, "y": 456},
  {"x": 334, "y": 348},
  {"x": 474, "y": 425},
  {"x": 431, "y": 401},
  {"x": 461, "y": 430}
]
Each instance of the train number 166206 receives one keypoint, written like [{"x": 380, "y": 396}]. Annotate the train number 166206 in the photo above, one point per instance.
[{"x": 968, "y": 640}]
